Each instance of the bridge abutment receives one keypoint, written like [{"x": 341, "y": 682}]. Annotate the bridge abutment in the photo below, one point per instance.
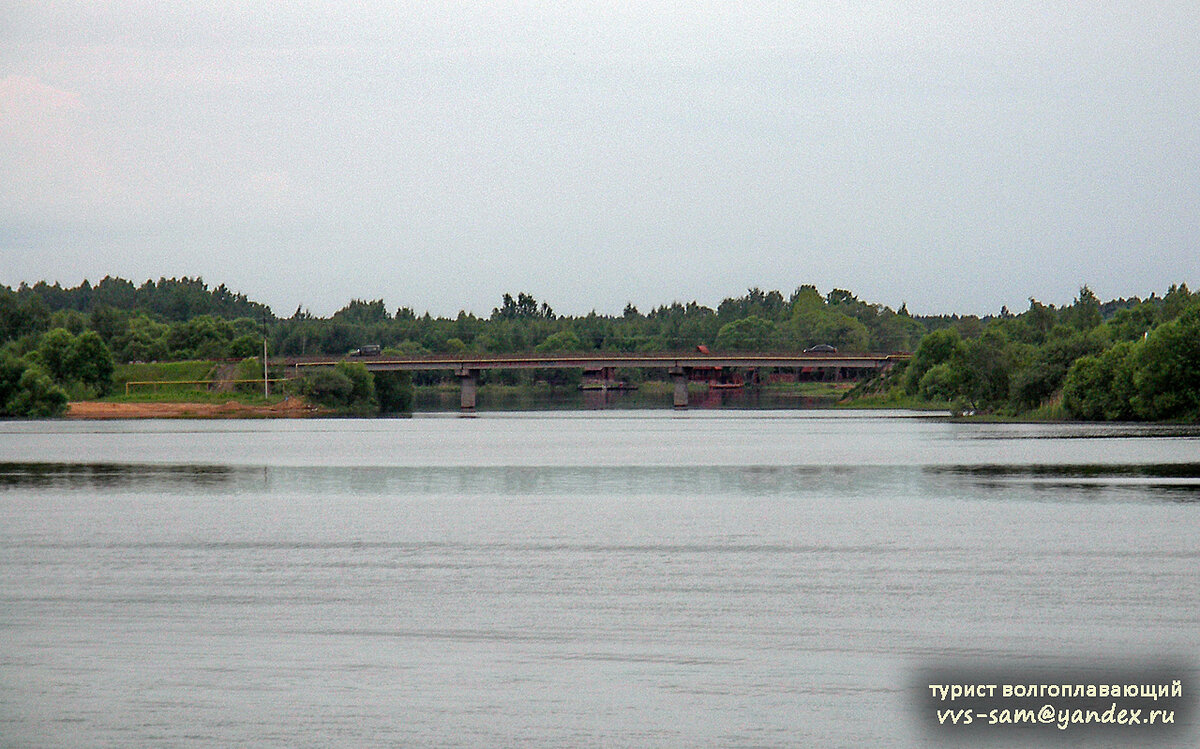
[
  {"x": 680, "y": 377},
  {"x": 468, "y": 379}
]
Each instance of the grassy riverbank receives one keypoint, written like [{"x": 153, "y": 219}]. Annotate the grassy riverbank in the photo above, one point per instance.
[
  {"x": 146, "y": 376},
  {"x": 181, "y": 395}
]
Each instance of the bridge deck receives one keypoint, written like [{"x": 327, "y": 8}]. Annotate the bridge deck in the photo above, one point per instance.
[{"x": 601, "y": 361}]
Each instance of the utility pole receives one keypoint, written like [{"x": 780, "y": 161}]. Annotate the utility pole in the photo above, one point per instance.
[{"x": 266, "y": 378}]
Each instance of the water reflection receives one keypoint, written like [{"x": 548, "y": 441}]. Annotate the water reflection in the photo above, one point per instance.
[
  {"x": 112, "y": 475},
  {"x": 655, "y": 399},
  {"x": 1065, "y": 483},
  {"x": 1164, "y": 470},
  {"x": 1178, "y": 482},
  {"x": 1081, "y": 430}
]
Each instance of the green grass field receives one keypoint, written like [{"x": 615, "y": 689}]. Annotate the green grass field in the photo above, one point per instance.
[
  {"x": 175, "y": 382},
  {"x": 161, "y": 372},
  {"x": 177, "y": 395}
]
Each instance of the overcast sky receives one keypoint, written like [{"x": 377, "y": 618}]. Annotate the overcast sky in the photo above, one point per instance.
[{"x": 956, "y": 156}]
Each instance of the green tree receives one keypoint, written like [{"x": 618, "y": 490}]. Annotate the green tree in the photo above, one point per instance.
[
  {"x": 143, "y": 340},
  {"x": 945, "y": 381},
  {"x": 362, "y": 387},
  {"x": 768, "y": 305},
  {"x": 563, "y": 340},
  {"x": 751, "y": 333},
  {"x": 524, "y": 307},
  {"x": 1037, "y": 382},
  {"x": 22, "y": 314},
  {"x": 939, "y": 347},
  {"x": 108, "y": 321},
  {"x": 114, "y": 292},
  {"x": 37, "y": 396},
  {"x": 91, "y": 362},
  {"x": 987, "y": 365},
  {"x": 201, "y": 337},
  {"x": 842, "y": 331},
  {"x": 896, "y": 332},
  {"x": 72, "y": 320},
  {"x": 56, "y": 354},
  {"x": 72, "y": 361},
  {"x": 244, "y": 346},
  {"x": 1132, "y": 324},
  {"x": 360, "y": 312},
  {"x": 806, "y": 299},
  {"x": 327, "y": 387},
  {"x": 1167, "y": 376},
  {"x": 409, "y": 347},
  {"x": 394, "y": 391},
  {"x": 1101, "y": 388},
  {"x": 27, "y": 391},
  {"x": 1085, "y": 313},
  {"x": 1177, "y": 300}
]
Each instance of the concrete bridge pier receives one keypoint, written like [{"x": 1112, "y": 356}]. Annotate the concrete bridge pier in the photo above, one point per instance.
[
  {"x": 469, "y": 380},
  {"x": 680, "y": 376}
]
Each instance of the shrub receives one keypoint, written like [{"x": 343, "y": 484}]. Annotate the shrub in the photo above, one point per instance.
[
  {"x": 327, "y": 387},
  {"x": 347, "y": 387},
  {"x": 27, "y": 391},
  {"x": 249, "y": 369},
  {"x": 394, "y": 391}
]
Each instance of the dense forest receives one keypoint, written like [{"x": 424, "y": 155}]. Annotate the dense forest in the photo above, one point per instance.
[{"x": 1118, "y": 360}]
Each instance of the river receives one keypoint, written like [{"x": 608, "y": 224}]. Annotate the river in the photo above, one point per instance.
[{"x": 609, "y": 578}]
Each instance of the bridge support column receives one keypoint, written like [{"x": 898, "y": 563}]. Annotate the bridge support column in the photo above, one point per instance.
[
  {"x": 680, "y": 376},
  {"x": 469, "y": 380}
]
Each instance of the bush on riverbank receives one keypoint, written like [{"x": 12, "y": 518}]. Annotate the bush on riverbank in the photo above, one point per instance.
[
  {"x": 28, "y": 392},
  {"x": 248, "y": 375},
  {"x": 349, "y": 388},
  {"x": 80, "y": 364}
]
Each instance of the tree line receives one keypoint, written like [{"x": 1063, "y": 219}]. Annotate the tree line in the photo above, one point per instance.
[
  {"x": 1124, "y": 360},
  {"x": 1121, "y": 359}
]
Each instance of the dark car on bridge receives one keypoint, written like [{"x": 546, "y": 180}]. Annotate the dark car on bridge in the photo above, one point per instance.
[{"x": 821, "y": 348}]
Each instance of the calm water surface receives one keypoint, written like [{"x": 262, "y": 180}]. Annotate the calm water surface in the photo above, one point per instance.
[{"x": 633, "y": 578}]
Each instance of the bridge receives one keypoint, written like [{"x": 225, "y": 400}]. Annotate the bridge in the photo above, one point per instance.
[{"x": 679, "y": 366}]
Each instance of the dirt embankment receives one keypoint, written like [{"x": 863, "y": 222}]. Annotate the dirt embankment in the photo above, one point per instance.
[{"x": 290, "y": 408}]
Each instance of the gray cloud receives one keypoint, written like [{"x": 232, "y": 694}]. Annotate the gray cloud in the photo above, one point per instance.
[{"x": 957, "y": 156}]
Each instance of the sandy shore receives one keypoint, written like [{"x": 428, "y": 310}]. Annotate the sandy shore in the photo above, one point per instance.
[{"x": 290, "y": 408}]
